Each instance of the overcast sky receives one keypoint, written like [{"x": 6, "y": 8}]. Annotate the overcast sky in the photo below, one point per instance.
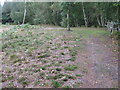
[{"x": 2, "y": 2}]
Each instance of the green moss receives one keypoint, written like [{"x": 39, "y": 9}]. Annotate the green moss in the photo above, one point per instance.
[
  {"x": 79, "y": 75},
  {"x": 42, "y": 74},
  {"x": 43, "y": 68},
  {"x": 76, "y": 85},
  {"x": 70, "y": 67},
  {"x": 57, "y": 64},
  {"x": 84, "y": 70},
  {"x": 43, "y": 56},
  {"x": 70, "y": 77},
  {"x": 13, "y": 56},
  {"x": 56, "y": 84},
  {"x": 66, "y": 47},
  {"x": 72, "y": 58},
  {"x": 7, "y": 78},
  {"x": 60, "y": 61},
  {"x": 23, "y": 81},
  {"x": 62, "y": 53},
  {"x": 37, "y": 82},
  {"x": 17, "y": 60},
  {"x": 66, "y": 87},
  {"x": 58, "y": 69}
]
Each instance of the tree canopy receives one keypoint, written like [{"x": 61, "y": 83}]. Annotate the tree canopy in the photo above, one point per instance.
[{"x": 61, "y": 13}]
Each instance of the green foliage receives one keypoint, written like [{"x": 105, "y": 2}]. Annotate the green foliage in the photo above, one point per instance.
[
  {"x": 116, "y": 35},
  {"x": 55, "y": 84},
  {"x": 7, "y": 78},
  {"x": 79, "y": 75},
  {"x": 64, "y": 22},
  {"x": 66, "y": 87},
  {"x": 58, "y": 69},
  {"x": 70, "y": 67},
  {"x": 17, "y": 12},
  {"x": 62, "y": 53},
  {"x": 23, "y": 81},
  {"x": 84, "y": 70},
  {"x": 43, "y": 56},
  {"x": 72, "y": 58},
  {"x": 43, "y": 68},
  {"x": 55, "y": 13},
  {"x": 37, "y": 82},
  {"x": 75, "y": 85},
  {"x": 70, "y": 77}
]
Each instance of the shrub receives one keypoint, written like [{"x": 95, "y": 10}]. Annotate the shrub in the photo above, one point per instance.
[
  {"x": 43, "y": 68},
  {"x": 43, "y": 56},
  {"x": 58, "y": 69},
  {"x": 70, "y": 77},
  {"x": 62, "y": 53},
  {"x": 23, "y": 81},
  {"x": 66, "y": 87},
  {"x": 56, "y": 84},
  {"x": 116, "y": 35},
  {"x": 78, "y": 75}
]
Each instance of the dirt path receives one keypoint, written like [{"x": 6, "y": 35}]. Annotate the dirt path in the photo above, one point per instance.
[{"x": 100, "y": 62}]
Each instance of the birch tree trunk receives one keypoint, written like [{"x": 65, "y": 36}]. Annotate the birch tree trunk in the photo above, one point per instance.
[
  {"x": 98, "y": 21},
  {"x": 85, "y": 19},
  {"x": 102, "y": 22},
  {"x": 24, "y": 13},
  {"x": 118, "y": 12},
  {"x": 68, "y": 23}
]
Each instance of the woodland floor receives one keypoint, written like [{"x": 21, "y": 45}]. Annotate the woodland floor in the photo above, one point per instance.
[{"x": 48, "y": 56}]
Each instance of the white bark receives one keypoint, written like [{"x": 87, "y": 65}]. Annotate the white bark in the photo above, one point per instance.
[
  {"x": 68, "y": 23},
  {"x": 102, "y": 22},
  {"x": 118, "y": 14},
  {"x": 24, "y": 13},
  {"x": 85, "y": 19},
  {"x": 98, "y": 21}
]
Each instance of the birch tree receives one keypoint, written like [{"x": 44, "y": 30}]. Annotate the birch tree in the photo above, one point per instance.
[
  {"x": 66, "y": 6},
  {"x": 85, "y": 18},
  {"x": 68, "y": 20},
  {"x": 24, "y": 12}
]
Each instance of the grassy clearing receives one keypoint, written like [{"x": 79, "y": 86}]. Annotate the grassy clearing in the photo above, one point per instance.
[
  {"x": 44, "y": 54},
  {"x": 86, "y": 32}
]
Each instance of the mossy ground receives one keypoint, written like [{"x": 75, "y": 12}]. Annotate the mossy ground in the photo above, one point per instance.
[{"x": 34, "y": 56}]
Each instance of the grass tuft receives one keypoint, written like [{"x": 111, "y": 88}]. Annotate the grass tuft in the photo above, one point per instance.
[
  {"x": 55, "y": 84},
  {"x": 70, "y": 67}
]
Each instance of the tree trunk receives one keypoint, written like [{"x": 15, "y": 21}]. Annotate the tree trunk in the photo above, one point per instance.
[
  {"x": 118, "y": 14},
  {"x": 24, "y": 13},
  {"x": 102, "y": 22},
  {"x": 105, "y": 20},
  {"x": 68, "y": 23},
  {"x": 85, "y": 19},
  {"x": 98, "y": 21}
]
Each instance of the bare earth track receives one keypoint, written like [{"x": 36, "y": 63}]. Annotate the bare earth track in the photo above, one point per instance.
[{"x": 101, "y": 62}]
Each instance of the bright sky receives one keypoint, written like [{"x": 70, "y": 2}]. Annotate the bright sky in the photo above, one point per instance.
[{"x": 2, "y": 2}]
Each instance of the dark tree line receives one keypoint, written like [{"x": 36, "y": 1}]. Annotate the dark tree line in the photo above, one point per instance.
[{"x": 66, "y": 14}]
